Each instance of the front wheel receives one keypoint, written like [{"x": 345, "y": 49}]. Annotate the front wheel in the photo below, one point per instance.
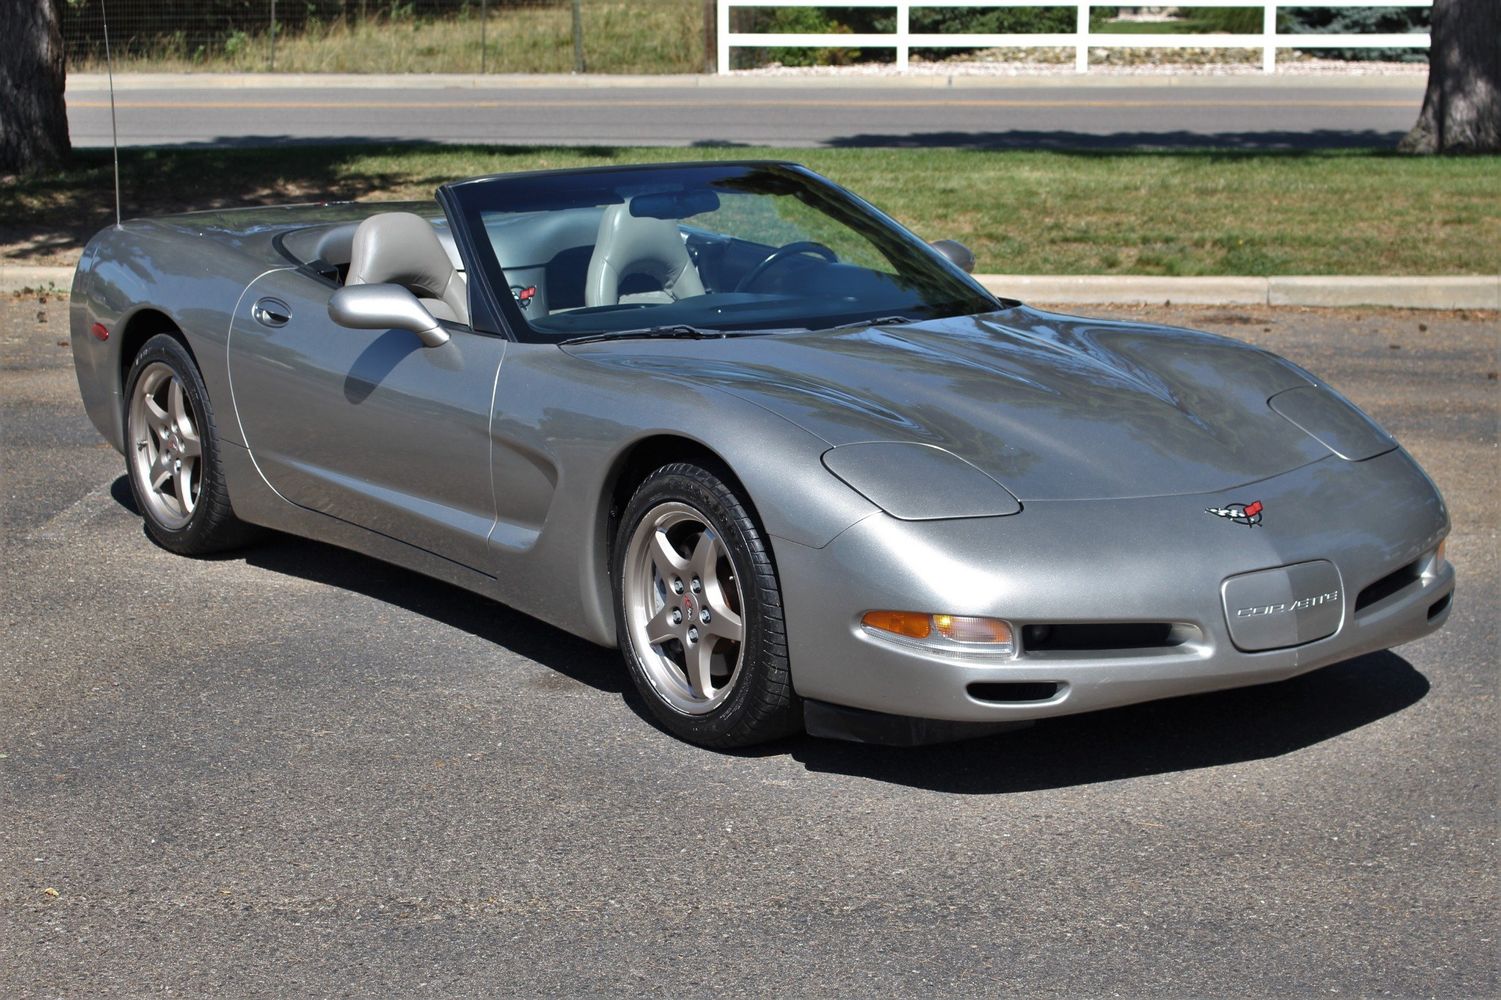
[
  {"x": 172, "y": 453},
  {"x": 700, "y": 612}
]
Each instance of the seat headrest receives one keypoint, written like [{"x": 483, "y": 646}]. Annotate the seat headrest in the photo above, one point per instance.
[
  {"x": 628, "y": 245},
  {"x": 402, "y": 249}
]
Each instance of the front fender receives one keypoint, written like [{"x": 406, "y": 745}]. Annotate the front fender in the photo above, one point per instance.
[{"x": 564, "y": 428}]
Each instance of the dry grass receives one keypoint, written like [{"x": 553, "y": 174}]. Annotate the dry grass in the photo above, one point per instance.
[{"x": 620, "y": 36}]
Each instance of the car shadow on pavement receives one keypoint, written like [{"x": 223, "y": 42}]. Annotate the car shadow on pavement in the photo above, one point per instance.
[
  {"x": 443, "y": 603},
  {"x": 119, "y": 491},
  {"x": 1177, "y": 734}
]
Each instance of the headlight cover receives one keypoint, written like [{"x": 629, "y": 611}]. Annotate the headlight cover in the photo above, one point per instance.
[
  {"x": 1333, "y": 421},
  {"x": 918, "y": 482}
]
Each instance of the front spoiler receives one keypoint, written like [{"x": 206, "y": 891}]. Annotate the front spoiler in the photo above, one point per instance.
[{"x": 857, "y": 725}]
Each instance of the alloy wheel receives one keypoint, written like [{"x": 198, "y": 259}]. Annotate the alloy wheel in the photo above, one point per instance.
[
  {"x": 683, "y": 606},
  {"x": 166, "y": 448}
]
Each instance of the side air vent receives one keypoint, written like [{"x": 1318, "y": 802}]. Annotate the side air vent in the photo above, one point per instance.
[
  {"x": 1393, "y": 583},
  {"x": 1017, "y": 693},
  {"x": 1094, "y": 637}
]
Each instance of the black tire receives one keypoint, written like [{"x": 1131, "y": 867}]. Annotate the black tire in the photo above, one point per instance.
[
  {"x": 209, "y": 524},
  {"x": 759, "y": 704}
]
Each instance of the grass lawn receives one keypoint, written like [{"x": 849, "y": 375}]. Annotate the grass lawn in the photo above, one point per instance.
[
  {"x": 1023, "y": 212},
  {"x": 622, "y": 36}
]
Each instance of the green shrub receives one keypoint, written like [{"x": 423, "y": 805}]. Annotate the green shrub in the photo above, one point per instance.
[
  {"x": 993, "y": 20},
  {"x": 882, "y": 20},
  {"x": 1358, "y": 20},
  {"x": 809, "y": 21},
  {"x": 235, "y": 43},
  {"x": 989, "y": 21},
  {"x": 798, "y": 21}
]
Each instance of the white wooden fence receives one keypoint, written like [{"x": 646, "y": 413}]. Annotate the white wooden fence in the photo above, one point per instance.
[{"x": 1081, "y": 39}]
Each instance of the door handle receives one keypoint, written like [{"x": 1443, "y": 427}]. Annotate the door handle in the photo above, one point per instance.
[{"x": 271, "y": 312}]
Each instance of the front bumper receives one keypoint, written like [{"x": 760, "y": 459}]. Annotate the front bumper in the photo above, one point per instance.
[{"x": 1102, "y": 563}]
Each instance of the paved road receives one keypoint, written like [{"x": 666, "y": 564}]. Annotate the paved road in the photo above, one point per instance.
[
  {"x": 1108, "y": 114},
  {"x": 298, "y": 772}
]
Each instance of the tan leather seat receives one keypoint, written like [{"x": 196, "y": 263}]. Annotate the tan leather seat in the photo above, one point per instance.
[
  {"x": 400, "y": 248},
  {"x": 627, "y": 246}
]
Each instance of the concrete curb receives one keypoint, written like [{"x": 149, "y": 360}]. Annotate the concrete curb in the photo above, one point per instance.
[
  {"x": 125, "y": 82},
  {"x": 1451, "y": 292},
  {"x": 1413, "y": 293},
  {"x": 1457, "y": 292}
]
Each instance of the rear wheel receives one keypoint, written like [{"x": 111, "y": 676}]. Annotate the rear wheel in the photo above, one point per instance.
[
  {"x": 172, "y": 453},
  {"x": 700, "y": 612}
]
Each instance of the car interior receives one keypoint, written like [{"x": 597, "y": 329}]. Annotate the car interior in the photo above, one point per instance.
[
  {"x": 572, "y": 259},
  {"x": 582, "y": 269},
  {"x": 555, "y": 261}
]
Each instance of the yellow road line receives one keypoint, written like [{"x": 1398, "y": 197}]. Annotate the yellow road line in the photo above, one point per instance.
[{"x": 522, "y": 105}]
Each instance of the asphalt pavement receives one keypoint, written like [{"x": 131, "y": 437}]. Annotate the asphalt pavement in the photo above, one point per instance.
[
  {"x": 295, "y": 771},
  {"x": 1036, "y": 113}
]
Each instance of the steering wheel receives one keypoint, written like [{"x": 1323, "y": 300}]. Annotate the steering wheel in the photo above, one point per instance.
[{"x": 781, "y": 253}]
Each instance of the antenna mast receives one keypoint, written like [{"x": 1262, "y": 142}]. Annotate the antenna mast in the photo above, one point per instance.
[{"x": 114, "y": 131}]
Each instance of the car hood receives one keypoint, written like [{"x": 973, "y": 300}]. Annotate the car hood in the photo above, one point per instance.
[{"x": 1052, "y": 407}]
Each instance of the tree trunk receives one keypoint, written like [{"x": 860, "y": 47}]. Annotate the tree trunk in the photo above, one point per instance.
[
  {"x": 33, "y": 117},
  {"x": 1462, "y": 107}
]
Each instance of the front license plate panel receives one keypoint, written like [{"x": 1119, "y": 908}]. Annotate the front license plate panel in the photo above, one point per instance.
[{"x": 1286, "y": 606}]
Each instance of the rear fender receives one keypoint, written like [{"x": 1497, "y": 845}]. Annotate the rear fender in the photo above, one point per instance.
[{"x": 139, "y": 269}]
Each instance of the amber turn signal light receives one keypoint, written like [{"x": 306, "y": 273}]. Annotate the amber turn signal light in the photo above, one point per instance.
[{"x": 908, "y": 623}]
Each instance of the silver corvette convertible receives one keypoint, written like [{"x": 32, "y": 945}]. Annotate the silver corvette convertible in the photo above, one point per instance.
[{"x": 799, "y": 466}]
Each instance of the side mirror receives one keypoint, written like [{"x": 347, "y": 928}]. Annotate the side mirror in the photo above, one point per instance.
[
  {"x": 385, "y": 307},
  {"x": 957, "y": 253}
]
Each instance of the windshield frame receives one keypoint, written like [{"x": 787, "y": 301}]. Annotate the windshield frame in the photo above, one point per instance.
[{"x": 468, "y": 202}]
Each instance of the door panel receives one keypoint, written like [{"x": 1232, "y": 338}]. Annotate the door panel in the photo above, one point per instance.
[{"x": 367, "y": 425}]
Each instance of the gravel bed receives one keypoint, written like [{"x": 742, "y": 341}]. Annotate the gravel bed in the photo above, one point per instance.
[{"x": 1108, "y": 62}]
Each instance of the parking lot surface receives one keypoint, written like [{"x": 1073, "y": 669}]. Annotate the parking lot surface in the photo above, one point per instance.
[{"x": 296, "y": 771}]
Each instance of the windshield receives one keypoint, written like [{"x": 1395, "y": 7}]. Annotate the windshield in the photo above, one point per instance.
[{"x": 710, "y": 249}]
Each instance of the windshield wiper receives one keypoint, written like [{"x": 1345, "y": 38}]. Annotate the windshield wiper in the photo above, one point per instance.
[
  {"x": 679, "y": 331},
  {"x": 878, "y": 321}
]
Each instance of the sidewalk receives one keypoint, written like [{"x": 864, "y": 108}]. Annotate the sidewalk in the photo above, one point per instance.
[
  {"x": 1398, "y": 292},
  {"x": 124, "y": 82},
  {"x": 1459, "y": 292}
]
